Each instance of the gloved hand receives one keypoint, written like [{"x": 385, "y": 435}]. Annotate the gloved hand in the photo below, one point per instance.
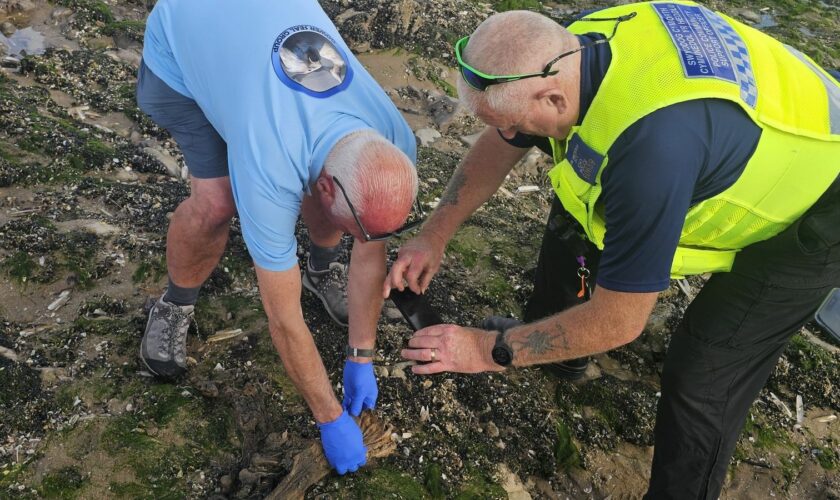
[
  {"x": 343, "y": 444},
  {"x": 499, "y": 323},
  {"x": 360, "y": 390}
]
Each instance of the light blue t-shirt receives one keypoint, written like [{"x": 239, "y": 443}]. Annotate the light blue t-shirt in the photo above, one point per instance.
[{"x": 281, "y": 87}]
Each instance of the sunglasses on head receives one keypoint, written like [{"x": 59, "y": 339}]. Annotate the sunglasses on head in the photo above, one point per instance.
[
  {"x": 480, "y": 81},
  {"x": 419, "y": 217}
]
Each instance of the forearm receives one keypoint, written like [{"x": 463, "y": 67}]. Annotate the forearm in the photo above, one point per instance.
[
  {"x": 602, "y": 324},
  {"x": 280, "y": 293},
  {"x": 304, "y": 367},
  {"x": 364, "y": 296},
  {"x": 474, "y": 181}
]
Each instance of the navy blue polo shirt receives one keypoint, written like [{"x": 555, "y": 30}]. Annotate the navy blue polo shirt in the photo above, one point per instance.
[{"x": 659, "y": 167}]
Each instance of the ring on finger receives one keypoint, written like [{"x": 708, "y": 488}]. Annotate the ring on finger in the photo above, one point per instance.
[{"x": 433, "y": 354}]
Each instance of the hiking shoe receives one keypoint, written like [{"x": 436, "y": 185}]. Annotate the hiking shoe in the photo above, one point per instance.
[
  {"x": 571, "y": 369},
  {"x": 329, "y": 285},
  {"x": 164, "y": 345}
]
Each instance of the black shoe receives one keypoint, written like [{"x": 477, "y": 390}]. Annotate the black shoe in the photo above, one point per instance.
[
  {"x": 499, "y": 323},
  {"x": 572, "y": 369}
]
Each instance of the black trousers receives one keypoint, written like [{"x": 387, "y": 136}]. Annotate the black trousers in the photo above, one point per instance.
[{"x": 727, "y": 344}]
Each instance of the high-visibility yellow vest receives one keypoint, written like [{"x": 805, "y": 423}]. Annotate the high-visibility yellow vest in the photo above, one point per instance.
[{"x": 672, "y": 52}]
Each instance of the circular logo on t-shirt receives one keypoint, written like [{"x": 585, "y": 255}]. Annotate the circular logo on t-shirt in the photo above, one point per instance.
[{"x": 307, "y": 59}]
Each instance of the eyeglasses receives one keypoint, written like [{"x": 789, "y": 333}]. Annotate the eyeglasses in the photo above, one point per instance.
[
  {"x": 420, "y": 216},
  {"x": 480, "y": 81}
]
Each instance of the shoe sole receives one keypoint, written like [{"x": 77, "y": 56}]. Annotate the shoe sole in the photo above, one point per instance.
[
  {"x": 566, "y": 372},
  {"x": 311, "y": 287},
  {"x": 155, "y": 373}
]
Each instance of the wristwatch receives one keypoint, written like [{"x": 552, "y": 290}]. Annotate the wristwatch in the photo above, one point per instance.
[
  {"x": 359, "y": 353},
  {"x": 502, "y": 353}
]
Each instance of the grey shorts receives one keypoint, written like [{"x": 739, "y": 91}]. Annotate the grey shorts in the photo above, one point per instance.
[{"x": 204, "y": 149}]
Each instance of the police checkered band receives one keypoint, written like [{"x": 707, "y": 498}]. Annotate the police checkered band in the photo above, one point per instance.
[
  {"x": 740, "y": 56},
  {"x": 708, "y": 47}
]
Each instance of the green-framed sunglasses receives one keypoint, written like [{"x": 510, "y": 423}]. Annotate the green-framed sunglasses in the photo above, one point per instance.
[{"x": 480, "y": 81}]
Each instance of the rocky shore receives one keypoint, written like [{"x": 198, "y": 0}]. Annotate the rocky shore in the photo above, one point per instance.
[{"x": 87, "y": 183}]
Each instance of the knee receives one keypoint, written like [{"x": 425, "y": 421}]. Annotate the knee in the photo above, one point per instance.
[{"x": 213, "y": 211}]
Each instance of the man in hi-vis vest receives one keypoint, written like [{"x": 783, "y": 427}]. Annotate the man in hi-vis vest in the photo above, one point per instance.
[{"x": 684, "y": 143}]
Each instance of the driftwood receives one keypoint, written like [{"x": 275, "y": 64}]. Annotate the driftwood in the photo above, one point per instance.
[{"x": 310, "y": 465}]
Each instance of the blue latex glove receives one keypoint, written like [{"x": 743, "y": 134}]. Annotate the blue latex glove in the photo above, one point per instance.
[
  {"x": 343, "y": 444},
  {"x": 360, "y": 390}
]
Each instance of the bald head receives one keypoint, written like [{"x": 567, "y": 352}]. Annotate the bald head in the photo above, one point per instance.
[
  {"x": 515, "y": 42},
  {"x": 379, "y": 179}
]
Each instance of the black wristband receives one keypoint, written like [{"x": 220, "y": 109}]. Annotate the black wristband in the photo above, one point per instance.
[
  {"x": 359, "y": 353},
  {"x": 502, "y": 354}
]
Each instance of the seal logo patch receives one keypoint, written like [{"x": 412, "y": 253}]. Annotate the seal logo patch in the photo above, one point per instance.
[{"x": 307, "y": 59}]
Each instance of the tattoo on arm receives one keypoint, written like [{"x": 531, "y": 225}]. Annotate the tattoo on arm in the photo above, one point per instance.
[
  {"x": 539, "y": 342},
  {"x": 450, "y": 196}
]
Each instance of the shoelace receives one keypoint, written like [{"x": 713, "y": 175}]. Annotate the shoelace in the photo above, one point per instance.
[
  {"x": 336, "y": 275},
  {"x": 172, "y": 332}
]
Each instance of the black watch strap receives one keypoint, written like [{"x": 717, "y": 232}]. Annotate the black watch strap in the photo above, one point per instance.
[
  {"x": 502, "y": 353},
  {"x": 359, "y": 353}
]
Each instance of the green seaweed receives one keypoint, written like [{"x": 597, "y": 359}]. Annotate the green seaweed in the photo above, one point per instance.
[
  {"x": 19, "y": 266},
  {"x": 433, "y": 481},
  {"x": 565, "y": 451},
  {"x": 827, "y": 457},
  {"x": 66, "y": 483}
]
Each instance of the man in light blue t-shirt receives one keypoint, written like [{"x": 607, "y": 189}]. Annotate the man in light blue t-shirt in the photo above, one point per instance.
[{"x": 277, "y": 119}]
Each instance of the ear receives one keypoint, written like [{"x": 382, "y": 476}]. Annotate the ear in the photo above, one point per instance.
[
  {"x": 556, "y": 100},
  {"x": 325, "y": 188}
]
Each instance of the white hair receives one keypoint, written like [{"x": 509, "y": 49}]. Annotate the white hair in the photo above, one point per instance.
[
  {"x": 377, "y": 176},
  {"x": 512, "y": 42}
]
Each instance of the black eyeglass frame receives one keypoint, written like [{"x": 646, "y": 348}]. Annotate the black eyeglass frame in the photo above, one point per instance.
[
  {"x": 408, "y": 226},
  {"x": 484, "y": 80}
]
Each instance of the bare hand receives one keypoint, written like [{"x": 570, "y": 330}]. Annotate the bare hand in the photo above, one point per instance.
[
  {"x": 451, "y": 348},
  {"x": 419, "y": 260}
]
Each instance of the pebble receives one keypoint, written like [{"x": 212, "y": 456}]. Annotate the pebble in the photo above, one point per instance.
[
  {"x": 10, "y": 63},
  {"x": 168, "y": 162},
  {"x": 749, "y": 15},
  {"x": 492, "y": 430},
  {"x": 62, "y": 299},
  {"x": 115, "y": 406},
  {"x": 207, "y": 388},
  {"x": 427, "y": 136},
  {"x": 470, "y": 140},
  {"x": 7, "y": 28},
  {"x": 226, "y": 483},
  {"x": 248, "y": 477},
  {"x": 61, "y": 13}
]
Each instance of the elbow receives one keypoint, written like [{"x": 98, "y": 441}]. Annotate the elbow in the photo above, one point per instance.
[
  {"x": 630, "y": 333},
  {"x": 283, "y": 331}
]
